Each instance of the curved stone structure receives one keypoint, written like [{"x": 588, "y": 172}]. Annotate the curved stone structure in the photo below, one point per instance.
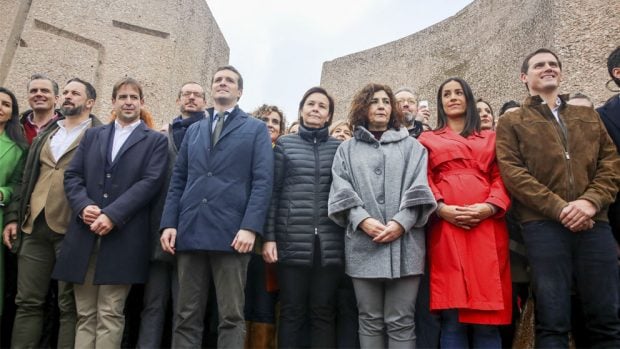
[
  {"x": 485, "y": 44},
  {"x": 160, "y": 43}
]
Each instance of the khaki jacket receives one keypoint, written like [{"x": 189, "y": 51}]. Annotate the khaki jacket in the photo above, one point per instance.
[{"x": 546, "y": 164}]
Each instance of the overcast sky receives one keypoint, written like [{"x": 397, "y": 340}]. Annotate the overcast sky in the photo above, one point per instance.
[{"x": 279, "y": 46}]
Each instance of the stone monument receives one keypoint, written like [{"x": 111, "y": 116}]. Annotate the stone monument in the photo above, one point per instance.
[
  {"x": 485, "y": 44},
  {"x": 160, "y": 43}
]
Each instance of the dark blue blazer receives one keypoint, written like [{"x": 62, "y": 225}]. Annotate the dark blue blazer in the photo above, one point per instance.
[
  {"x": 123, "y": 190},
  {"x": 215, "y": 191}
]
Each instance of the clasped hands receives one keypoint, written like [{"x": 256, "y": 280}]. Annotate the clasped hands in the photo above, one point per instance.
[
  {"x": 466, "y": 217},
  {"x": 577, "y": 215},
  {"x": 382, "y": 233},
  {"x": 99, "y": 223}
]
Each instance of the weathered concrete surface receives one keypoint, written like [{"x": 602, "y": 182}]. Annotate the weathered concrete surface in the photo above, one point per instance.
[
  {"x": 160, "y": 43},
  {"x": 485, "y": 44}
]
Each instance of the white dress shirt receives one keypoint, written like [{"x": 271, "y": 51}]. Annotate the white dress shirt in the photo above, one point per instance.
[
  {"x": 63, "y": 138},
  {"x": 121, "y": 133}
]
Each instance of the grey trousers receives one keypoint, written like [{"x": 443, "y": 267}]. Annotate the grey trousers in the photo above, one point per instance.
[
  {"x": 387, "y": 306},
  {"x": 162, "y": 283},
  {"x": 195, "y": 269},
  {"x": 35, "y": 264}
]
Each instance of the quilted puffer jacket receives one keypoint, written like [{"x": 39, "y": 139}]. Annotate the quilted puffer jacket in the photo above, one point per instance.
[{"x": 298, "y": 210}]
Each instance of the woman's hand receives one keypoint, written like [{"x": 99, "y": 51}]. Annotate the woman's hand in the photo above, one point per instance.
[
  {"x": 270, "y": 252},
  {"x": 466, "y": 217},
  {"x": 372, "y": 227},
  {"x": 392, "y": 231}
]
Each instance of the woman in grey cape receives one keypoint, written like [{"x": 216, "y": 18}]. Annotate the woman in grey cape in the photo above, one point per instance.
[{"x": 381, "y": 195}]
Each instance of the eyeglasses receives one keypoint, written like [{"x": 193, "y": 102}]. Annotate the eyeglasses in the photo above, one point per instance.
[
  {"x": 196, "y": 94},
  {"x": 409, "y": 101}
]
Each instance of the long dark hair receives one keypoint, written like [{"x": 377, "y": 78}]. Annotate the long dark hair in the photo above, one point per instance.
[
  {"x": 358, "y": 116},
  {"x": 472, "y": 119},
  {"x": 13, "y": 128}
]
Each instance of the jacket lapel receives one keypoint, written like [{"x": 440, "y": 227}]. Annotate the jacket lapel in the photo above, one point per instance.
[
  {"x": 236, "y": 121},
  {"x": 104, "y": 137},
  {"x": 136, "y": 136},
  {"x": 6, "y": 144}
]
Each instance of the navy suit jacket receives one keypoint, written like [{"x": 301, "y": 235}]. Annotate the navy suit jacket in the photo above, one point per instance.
[
  {"x": 215, "y": 191},
  {"x": 123, "y": 190}
]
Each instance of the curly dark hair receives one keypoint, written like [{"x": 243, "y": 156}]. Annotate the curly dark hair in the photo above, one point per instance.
[
  {"x": 358, "y": 114},
  {"x": 267, "y": 109}
]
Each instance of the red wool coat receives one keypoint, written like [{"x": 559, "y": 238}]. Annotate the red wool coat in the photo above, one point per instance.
[{"x": 469, "y": 269}]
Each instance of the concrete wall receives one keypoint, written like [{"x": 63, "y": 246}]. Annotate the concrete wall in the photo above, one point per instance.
[
  {"x": 485, "y": 44},
  {"x": 162, "y": 43}
]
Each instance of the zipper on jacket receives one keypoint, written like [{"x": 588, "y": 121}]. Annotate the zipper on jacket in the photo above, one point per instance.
[
  {"x": 562, "y": 134},
  {"x": 317, "y": 176}
]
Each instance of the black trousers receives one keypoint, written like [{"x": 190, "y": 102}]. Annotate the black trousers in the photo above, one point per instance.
[{"x": 308, "y": 294}]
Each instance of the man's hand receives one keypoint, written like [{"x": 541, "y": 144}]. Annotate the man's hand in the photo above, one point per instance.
[
  {"x": 577, "y": 215},
  {"x": 244, "y": 241},
  {"x": 9, "y": 234},
  {"x": 372, "y": 227},
  {"x": 423, "y": 115},
  {"x": 102, "y": 225},
  {"x": 168, "y": 239},
  {"x": 393, "y": 230},
  {"x": 270, "y": 252},
  {"x": 90, "y": 214}
]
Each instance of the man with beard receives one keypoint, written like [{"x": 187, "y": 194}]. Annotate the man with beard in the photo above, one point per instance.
[
  {"x": 39, "y": 215},
  {"x": 408, "y": 105},
  {"x": 162, "y": 271}
]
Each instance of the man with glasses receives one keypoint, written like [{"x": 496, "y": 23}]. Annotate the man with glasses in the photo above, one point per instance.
[
  {"x": 162, "y": 271},
  {"x": 408, "y": 105}
]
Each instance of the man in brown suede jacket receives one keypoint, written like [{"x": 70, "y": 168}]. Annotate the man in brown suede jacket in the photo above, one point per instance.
[{"x": 562, "y": 170}]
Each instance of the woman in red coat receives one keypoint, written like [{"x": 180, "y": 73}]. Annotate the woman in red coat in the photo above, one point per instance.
[{"x": 468, "y": 240}]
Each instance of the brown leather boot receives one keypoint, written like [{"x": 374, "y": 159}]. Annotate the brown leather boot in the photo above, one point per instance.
[{"x": 263, "y": 336}]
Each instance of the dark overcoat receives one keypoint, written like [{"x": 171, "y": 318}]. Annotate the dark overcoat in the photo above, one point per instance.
[
  {"x": 123, "y": 190},
  {"x": 217, "y": 190}
]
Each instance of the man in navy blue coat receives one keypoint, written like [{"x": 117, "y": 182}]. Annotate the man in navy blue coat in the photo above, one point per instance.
[
  {"x": 217, "y": 202},
  {"x": 116, "y": 171}
]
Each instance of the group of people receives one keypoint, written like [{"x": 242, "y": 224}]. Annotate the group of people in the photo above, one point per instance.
[{"x": 373, "y": 231}]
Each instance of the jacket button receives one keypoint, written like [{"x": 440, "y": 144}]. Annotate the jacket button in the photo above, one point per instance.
[
  {"x": 376, "y": 146},
  {"x": 380, "y": 201},
  {"x": 209, "y": 174},
  {"x": 378, "y": 171},
  {"x": 108, "y": 175},
  {"x": 105, "y": 195},
  {"x": 204, "y": 201}
]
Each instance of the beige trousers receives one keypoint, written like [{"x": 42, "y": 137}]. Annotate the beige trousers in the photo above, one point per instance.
[{"x": 100, "y": 318}]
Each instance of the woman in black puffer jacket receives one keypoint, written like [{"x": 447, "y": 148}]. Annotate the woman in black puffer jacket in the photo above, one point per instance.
[{"x": 306, "y": 244}]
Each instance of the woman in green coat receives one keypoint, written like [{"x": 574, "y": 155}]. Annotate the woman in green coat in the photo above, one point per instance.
[{"x": 12, "y": 155}]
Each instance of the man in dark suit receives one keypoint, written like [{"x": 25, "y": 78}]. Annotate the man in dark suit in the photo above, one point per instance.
[
  {"x": 217, "y": 203},
  {"x": 115, "y": 173}
]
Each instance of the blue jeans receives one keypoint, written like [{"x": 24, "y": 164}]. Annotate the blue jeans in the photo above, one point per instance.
[
  {"x": 558, "y": 256},
  {"x": 454, "y": 334}
]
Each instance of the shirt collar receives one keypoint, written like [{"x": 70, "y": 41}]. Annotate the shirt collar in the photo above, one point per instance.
[
  {"x": 61, "y": 123},
  {"x": 132, "y": 126}
]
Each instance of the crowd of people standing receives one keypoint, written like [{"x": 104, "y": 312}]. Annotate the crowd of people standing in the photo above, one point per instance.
[{"x": 375, "y": 230}]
